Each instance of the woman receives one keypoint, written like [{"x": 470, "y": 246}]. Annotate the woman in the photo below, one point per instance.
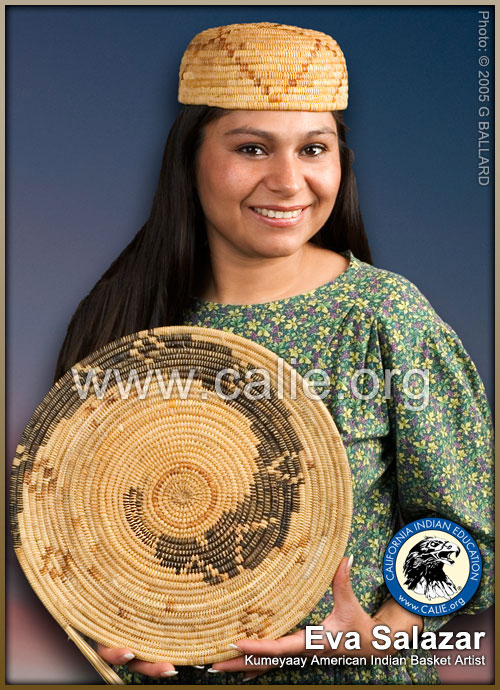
[{"x": 256, "y": 229}]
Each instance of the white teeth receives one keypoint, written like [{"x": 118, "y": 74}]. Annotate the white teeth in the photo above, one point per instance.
[{"x": 269, "y": 213}]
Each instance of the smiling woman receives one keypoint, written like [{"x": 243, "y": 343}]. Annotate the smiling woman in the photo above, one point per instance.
[{"x": 256, "y": 229}]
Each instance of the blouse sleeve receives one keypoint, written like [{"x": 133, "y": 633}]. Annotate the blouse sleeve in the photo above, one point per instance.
[{"x": 441, "y": 427}]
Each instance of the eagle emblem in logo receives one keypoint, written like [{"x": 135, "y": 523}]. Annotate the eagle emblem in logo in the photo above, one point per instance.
[
  {"x": 424, "y": 568},
  {"x": 432, "y": 566}
]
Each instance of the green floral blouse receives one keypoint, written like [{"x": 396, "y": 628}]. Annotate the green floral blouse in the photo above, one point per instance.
[{"x": 412, "y": 454}]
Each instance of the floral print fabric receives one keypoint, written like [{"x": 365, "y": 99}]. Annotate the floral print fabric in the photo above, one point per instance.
[{"x": 406, "y": 463}]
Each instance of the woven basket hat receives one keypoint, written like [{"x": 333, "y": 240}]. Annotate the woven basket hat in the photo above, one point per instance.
[
  {"x": 264, "y": 67},
  {"x": 181, "y": 515}
]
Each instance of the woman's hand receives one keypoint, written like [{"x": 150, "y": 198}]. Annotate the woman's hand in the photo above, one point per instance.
[
  {"x": 125, "y": 656},
  {"x": 347, "y": 616}
]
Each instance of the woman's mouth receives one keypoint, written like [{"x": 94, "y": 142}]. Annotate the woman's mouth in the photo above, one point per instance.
[
  {"x": 280, "y": 217},
  {"x": 273, "y": 213}
]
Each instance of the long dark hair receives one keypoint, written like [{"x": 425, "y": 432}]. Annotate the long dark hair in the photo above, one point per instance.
[{"x": 153, "y": 281}]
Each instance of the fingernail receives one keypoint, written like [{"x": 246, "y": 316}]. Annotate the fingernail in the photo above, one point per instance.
[
  {"x": 169, "y": 673},
  {"x": 215, "y": 670},
  {"x": 234, "y": 646},
  {"x": 349, "y": 563},
  {"x": 127, "y": 657},
  {"x": 199, "y": 666}
]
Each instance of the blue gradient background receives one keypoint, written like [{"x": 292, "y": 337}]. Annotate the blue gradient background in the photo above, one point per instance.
[{"x": 91, "y": 94}]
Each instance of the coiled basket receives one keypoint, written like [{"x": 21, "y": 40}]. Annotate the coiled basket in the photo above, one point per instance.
[{"x": 178, "y": 490}]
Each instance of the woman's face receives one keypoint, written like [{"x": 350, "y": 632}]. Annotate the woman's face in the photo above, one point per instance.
[{"x": 267, "y": 180}]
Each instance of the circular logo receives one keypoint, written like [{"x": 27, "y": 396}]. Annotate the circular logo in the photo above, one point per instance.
[{"x": 432, "y": 567}]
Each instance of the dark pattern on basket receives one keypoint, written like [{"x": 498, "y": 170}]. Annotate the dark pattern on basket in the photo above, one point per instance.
[
  {"x": 240, "y": 539},
  {"x": 244, "y": 537}
]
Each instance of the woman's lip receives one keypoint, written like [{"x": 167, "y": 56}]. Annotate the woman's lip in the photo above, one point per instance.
[
  {"x": 280, "y": 208},
  {"x": 280, "y": 222}
]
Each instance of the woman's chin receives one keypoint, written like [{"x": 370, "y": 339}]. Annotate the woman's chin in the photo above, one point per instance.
[{"x": 273, "y": 250}]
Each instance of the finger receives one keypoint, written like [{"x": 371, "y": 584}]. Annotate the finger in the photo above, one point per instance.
[
  {"x": 238, "y": 663},
  {"x": 343, "y": 597},
  {"x": 154, "y": 670},
  {"x": 118, "y": 656},
  {"x": 284, "y": 646}
]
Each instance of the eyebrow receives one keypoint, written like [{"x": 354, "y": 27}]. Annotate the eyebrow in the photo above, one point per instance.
[{"x": 250, "y": 131}]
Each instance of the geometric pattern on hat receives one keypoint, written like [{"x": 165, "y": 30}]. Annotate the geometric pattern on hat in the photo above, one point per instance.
[{"x": 264, "y": 66}]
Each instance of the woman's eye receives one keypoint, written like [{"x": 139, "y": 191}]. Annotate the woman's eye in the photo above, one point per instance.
[
  {"x": 252, "y": 150},
  {"x": 314, "y": 150}
]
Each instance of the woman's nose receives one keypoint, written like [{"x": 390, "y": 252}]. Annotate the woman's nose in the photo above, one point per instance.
[{"x": 284, "y": 176}]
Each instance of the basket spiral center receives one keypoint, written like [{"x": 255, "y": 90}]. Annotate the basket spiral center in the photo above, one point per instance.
[{"x": 184, "y": 495}]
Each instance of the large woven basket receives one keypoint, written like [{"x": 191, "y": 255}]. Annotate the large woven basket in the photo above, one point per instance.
[{"x": 174, "y": 523}]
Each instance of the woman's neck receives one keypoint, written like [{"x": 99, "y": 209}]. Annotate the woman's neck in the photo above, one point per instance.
[{"x": 249, "y": 280}]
